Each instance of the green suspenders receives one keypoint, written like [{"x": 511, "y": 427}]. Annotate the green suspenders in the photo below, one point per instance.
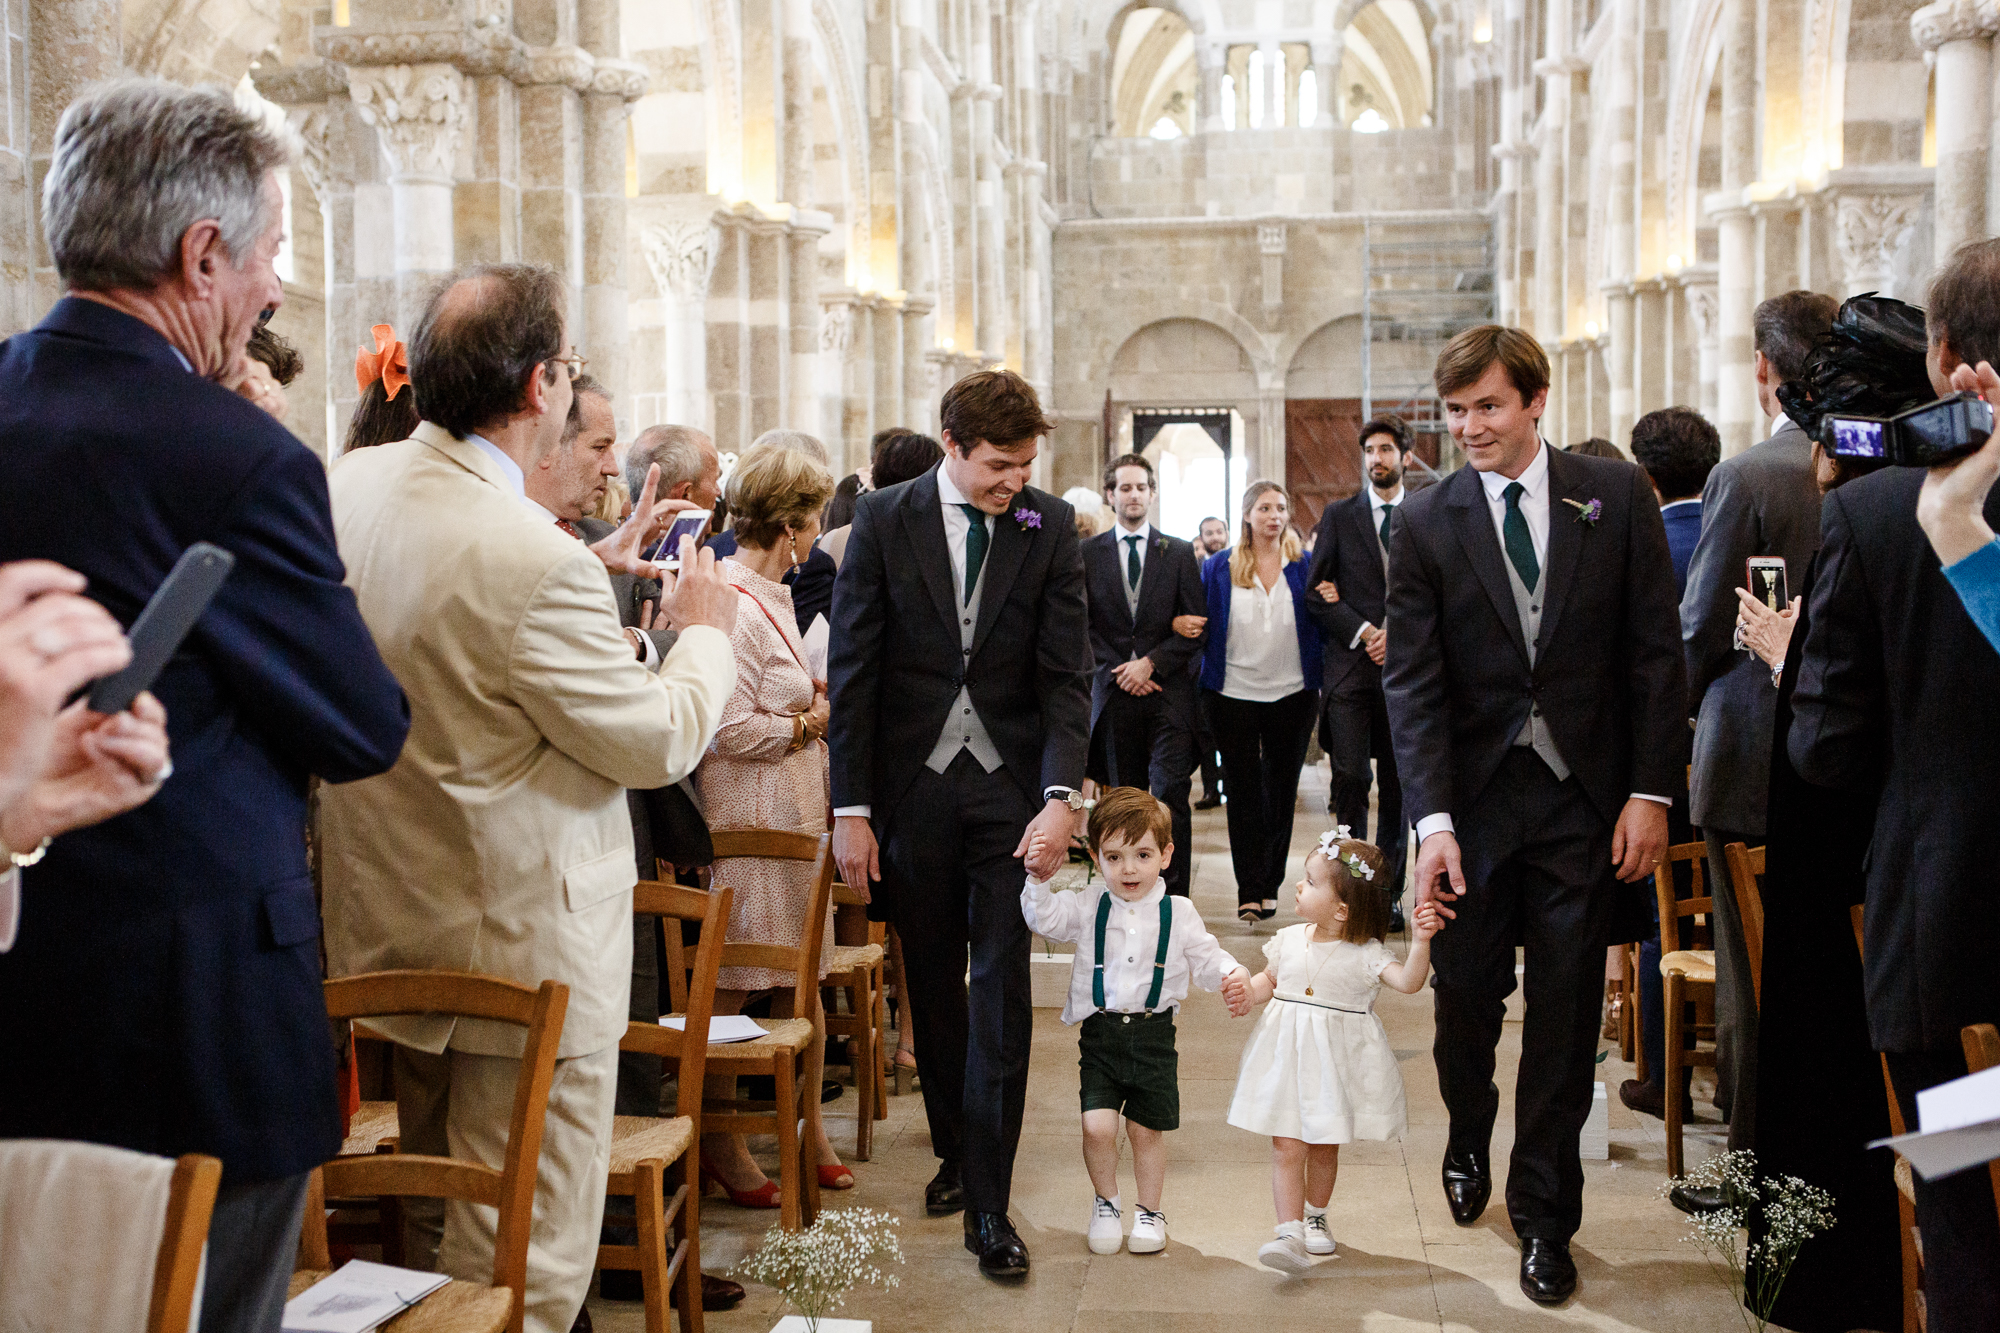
[{"x": 1159, "y": 955}]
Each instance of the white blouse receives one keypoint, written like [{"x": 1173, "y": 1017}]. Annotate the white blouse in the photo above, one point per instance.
[{"x": 1263, "y": 663}]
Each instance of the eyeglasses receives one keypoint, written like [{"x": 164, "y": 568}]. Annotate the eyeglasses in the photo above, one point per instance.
[{"x": 575, "y": 362}]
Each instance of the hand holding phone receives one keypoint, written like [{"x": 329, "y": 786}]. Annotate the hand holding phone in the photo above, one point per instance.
[
  {"x": 1765, "y": 577},
  {"x": 693, "y": 525}
]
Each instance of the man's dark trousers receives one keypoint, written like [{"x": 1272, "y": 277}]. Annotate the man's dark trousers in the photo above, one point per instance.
[
  {"x": 1149, "y": 744},
  {"x": 948, "y": 865},
  {"x": 1536, "y": 856},
  {"x": 1356, "y": 727}
]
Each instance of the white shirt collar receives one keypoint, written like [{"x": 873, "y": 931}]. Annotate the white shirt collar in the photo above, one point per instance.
[
  {"x": 516, "y": 480},
  {"x": 948, "y": 493},
  {"x": 1151, "y": 899},
  {"x": 1377, "y": 504},
  {"x": 1778, "y": 423},
  {"x": 1532, "y": 479},
  {"x": 1143, "y": 531}
]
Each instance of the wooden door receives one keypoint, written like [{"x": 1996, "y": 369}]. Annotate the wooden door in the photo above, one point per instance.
[{"x": 1322, "y": 454}]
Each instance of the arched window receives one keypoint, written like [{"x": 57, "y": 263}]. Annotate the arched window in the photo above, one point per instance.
[
  {"x": 1229, "y": 101},
  {"x": 1308, "y": 98},
  {"x": 1257, "y": 98},
  {"x": 1153, "y": 73}
]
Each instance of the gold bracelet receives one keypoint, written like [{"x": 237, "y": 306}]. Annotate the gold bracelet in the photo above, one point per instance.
[{"x": 798, "y": 733}]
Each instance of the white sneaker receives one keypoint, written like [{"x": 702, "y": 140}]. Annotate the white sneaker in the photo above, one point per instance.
[
  {"x": 1107, "y": 1231},
  {"x": 1288, "y": 1252},
  {"x": 1149, "y": 1232},
  {"x": 1318, "y": 1239}
]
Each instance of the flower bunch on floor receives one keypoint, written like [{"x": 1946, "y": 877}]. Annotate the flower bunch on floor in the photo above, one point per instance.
[
  {"x": 815, "y": 1268},
  {"x": 1793, "y": 1213}
]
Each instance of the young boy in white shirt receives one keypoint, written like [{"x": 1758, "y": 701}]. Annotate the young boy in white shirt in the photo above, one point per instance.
[{"x": 1138, "y": 949}]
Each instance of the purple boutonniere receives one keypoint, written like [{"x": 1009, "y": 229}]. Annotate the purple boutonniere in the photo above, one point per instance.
[
  {"x": 1587, "y": 514},
  {"x": 1028, "y": 518}
]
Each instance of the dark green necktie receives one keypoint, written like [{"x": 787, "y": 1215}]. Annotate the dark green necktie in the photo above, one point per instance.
[
  {"x": 1386, "y": 511},
  {"x": 1520, "y": 546},
  {"x": 975, "y": 547},
  {"x": 1132, "y": 566}
]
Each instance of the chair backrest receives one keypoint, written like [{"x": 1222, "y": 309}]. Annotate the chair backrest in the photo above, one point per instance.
[
  {"x": 695, "y": 996},
  {"x": 801, "y": 959},
  {"x": 102, "y": 1238},
  {"x": 1673, "y": 908},
  {"x": 511, "y": 1189},
  {"x": 1746, "y": 875}
]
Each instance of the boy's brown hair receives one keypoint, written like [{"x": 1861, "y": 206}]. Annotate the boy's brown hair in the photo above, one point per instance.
[
  {"x": 1131, "y": 813},
  {"x": 996, "y": 406},
  {"x": 1367, "y": 905},
  {"x": 1466, "y": 357}
]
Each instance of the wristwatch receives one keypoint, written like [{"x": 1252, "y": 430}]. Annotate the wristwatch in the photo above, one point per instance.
[{"x": 1069, "y": 796}]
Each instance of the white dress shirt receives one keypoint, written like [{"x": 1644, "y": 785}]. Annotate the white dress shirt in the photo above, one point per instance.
[
  {"x": 1131, "y": 941},
  {"x": 1376, "y": 504},
  {"x": 1144, "y": 533},
  {"x": 1534, "y": 506},
  {"x": 1263, "y": 658}
]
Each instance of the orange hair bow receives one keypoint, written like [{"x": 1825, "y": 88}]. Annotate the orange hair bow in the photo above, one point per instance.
[{"x": 388, "y": 363}]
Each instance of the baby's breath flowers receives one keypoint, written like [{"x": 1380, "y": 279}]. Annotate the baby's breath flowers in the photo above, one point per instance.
[
  {"x": 1793, "y": 1213},
  {"x": 815, "y": 1269}
]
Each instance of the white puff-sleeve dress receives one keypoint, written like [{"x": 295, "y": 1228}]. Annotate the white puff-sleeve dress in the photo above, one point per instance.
[{"x": 1318, "y": 1067}]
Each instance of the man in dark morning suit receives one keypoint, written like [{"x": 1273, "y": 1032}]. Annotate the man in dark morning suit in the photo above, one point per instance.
[
  {"x": 1896, "y": 695},
  {"x": 1142, "y": 693},
  {"x": 165, "y": 993},
  {"x": 1351, "y": 557},
  {"x": 961, "y": 722},
  {"x": 1538, "y": 703},
  {"x": 666, "y": 822},
  {"x": 1761, "y": 502}
]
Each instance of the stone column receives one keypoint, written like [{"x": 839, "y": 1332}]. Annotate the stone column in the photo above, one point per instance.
[
  {"x": 801, "y": 404},
  {"x": 418, "y": 112},
  {"x": 918, "y": 407},
  {"x": 1652, "y": 353},
  {"x": 1868, "y": 231},
  {"x": 1326, "y": 52},
  {"x": 1702, "y": 300},
  {"x": 1621, "y": 355},
  {"x": 615, "y": 85},
  {"x": 1961, "y": 33},
  {"x": 886, "y": 393},
  {"x": 1622, "y": 233},
  {"x": 990, "y": 310},
  {"x": 1736, "y": 383},
  {"x": 845, "y": 374},
  {"x": 71, "y": 44},
  {"x": 1271, "y": 248},
  {"x": 681, "y": 256},
  {"x": 1208, "y": 57},
  {"x": 1512, "y": 304}
]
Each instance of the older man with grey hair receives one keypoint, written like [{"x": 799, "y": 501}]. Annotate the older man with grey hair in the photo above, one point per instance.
[
  {"x": 165, "y": 991},
  {"x": 690, "y": 468}
]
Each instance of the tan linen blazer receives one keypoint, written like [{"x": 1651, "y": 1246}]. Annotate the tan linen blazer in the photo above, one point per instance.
[{"x": 500, "y": 842}]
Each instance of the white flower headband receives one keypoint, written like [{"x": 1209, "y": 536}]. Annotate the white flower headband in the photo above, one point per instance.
[{"x": 1329, "y": 847}]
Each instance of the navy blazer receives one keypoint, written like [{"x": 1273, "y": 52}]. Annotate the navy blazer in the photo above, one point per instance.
[
  {"x": 896, "y": 663},
  {"x": 164, "y": 994},
  {"x": 1215, "y": 655},
  {"x": 1683, "y": 520}
]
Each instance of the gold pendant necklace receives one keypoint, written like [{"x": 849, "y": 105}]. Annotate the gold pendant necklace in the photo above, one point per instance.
[{"x": 1322, "y": 962}]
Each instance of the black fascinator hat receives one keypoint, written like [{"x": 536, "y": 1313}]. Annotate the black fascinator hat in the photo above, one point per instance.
[{"x": 1870, "y": 364}]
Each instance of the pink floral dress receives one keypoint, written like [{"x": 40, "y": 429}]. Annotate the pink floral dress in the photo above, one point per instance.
[{"x": 748, "y": 780}]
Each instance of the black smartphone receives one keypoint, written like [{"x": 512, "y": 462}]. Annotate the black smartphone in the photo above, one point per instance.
[
  {"x": 693, "y": 523},
  {"x": 1767, "y": 581},
  {"x": 189, "y": 587}
]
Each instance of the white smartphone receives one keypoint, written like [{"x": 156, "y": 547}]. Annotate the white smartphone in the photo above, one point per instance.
[
  {"x": 693, "y": 523},
  {"x": 1767, "y": 581}
]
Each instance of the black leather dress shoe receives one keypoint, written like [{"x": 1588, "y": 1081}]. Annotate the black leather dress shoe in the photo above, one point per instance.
[
  {"x": 945, "y": 1195},
  {"x": 992, "y": 1237},
  {"x": 1710, "y": 1199},
  {"x": 1208, "y": 803},
  {"x": 1650, "y": 1099},
  {"x": 1548, "y": 1274},
  {"x": 1468, "y": 1184}
]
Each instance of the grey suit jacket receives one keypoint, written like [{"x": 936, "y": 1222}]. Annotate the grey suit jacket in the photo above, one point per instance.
[{"x": 1762, "y": 502}]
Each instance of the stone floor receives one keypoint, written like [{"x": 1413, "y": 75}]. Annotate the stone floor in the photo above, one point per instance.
[{"x": 1403, "y": 1264}]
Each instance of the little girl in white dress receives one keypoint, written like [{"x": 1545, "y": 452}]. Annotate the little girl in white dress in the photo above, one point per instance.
[{"x": 1318, "y": 1071}]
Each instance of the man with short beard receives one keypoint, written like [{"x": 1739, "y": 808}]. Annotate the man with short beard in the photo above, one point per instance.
[{"x": 1350, "y": 580}]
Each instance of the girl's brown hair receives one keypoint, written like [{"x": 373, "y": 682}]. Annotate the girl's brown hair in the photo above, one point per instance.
[{"x": 1367, "y": 905}]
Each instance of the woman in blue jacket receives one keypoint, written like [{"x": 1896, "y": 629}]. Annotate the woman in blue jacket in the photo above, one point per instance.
[{"x": 1260, "y": 687}]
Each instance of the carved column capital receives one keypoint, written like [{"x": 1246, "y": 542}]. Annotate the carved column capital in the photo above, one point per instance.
[
  {"x": 1868, "y": 231},
  {"x": 1954, "y": 21},
  {"x": 681, "y": 255},
  {"x": 419, "y": 111},
  {"x": 1704, "y": 305},
  {"x": 311, "y": 123}
]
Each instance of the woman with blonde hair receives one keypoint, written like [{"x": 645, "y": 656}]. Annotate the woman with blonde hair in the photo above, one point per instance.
[
  {"x": 767, "y": 767},
  {"x": 1260, "y": 677}
]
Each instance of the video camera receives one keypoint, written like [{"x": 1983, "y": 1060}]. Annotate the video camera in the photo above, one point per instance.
[{"x": 1925, "y": 436}]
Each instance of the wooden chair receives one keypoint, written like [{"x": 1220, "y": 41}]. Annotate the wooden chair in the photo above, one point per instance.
[
  {"x": 1746, "y": 877},
  {"x": 1684, "y": 971},
  {"x": 1982, "y": 1052},
  {"x": 645, "y": 1148},
  {"x": 1906, "y": 1183},
  {"x": 792, "y": 1051},
  {"x": 457, "y": 1307},
  {"x": 856, "y": 972}
]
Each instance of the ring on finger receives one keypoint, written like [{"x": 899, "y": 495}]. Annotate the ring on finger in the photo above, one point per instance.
[{"x": 166, "y": 771}]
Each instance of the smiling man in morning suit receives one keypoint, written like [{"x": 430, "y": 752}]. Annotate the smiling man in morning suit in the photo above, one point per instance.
[
  {"x": 961, "y": 701},
  {"x": 1537, "y": 701}
]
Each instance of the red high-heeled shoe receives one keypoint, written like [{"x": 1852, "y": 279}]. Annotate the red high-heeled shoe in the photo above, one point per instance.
[
  {"x": 835, "y": 1177},
  {"x": 765, "y": 1195}
]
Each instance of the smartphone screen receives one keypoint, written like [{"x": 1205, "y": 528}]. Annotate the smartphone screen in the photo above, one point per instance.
[
  {"x": 1767, "y": 581},
  {"x": 668, "y": 551},
  {"x": 1858, "y": 437}
]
